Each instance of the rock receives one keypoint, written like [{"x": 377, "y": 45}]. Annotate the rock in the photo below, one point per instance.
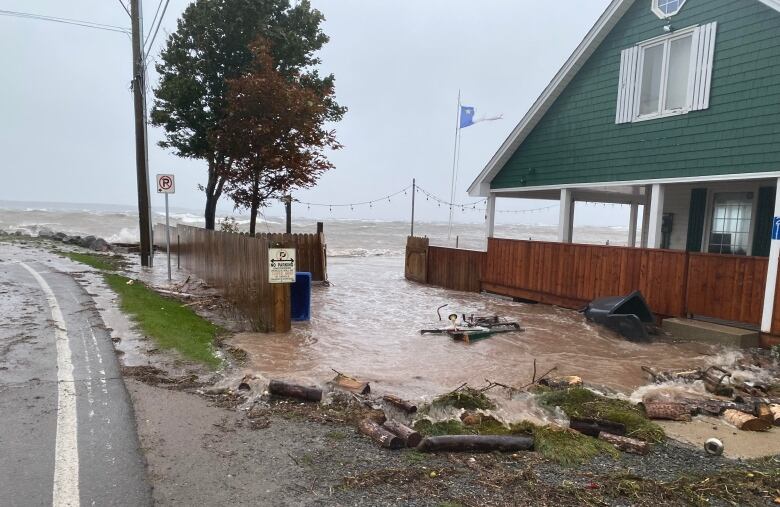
[
  {"x": 3, "y": 233},
  {"x": 87, "y": 241},
  {"x": 100, "y": 245},
  {"x": 59, "y": 236},
  {"x": 72, "y": 240},
  {"x": 45, "y": 232}
]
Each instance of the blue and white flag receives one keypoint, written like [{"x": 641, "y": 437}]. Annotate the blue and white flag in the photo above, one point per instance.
[{"x": 466, "y": 116}]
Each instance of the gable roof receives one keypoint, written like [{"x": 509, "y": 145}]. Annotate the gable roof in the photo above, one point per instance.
[{"x": 614, "y": 13}]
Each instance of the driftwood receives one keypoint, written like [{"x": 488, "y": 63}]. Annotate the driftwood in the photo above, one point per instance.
[
  {"x": 410, "y": 437},
  {"x": 763, "y": 411},
  {"x": 626, "y": 444},
  {"x": 350, "y": 384},
  {"x": 751, "y": 400},
  {"x": 666, "y": 376},
  {"x": 288, "y": 390},
  {"x": 593, "y": 427},
  {"x": 476, "y": 443},
  {"x": 399, "y": 403},
  {"x": 669, "y": 411},
  {"x": 714, "y": 381},
  {"x": 380, "y": 434},
  {"x": 775, "y": 413},
  {"x": 561, "y": 382},
  {"x": 746, "y": 422}
]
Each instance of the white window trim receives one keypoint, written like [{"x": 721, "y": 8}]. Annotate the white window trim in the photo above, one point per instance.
[
  {"x": 661, "y": 14},
  {"x": 710, "y": 208},
  {"x": 667, "y": 41}
]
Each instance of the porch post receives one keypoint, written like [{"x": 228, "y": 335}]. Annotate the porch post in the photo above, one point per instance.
[
  {"x": 656, "y": 217},
  {"x": 771, "y": 273},
  {"x": 646, "y": 216},
  {"x": 566, "y": 219},
  {"x": 632, "y": 220},
  {"x": 490, "y": 217}
]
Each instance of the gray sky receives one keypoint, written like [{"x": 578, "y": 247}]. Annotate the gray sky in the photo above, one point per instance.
[{"x": 67, "y": 125}]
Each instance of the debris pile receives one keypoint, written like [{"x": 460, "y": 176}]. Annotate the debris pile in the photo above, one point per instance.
[{"x": 745, "y": 394}]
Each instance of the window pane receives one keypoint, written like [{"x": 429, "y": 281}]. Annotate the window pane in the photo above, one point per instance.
[
  {"x": 651, "y": 79},
  {"x": 731, "y": 218},
  {"x": 668, "y": 6},
  {"x": 679, "y": 69}
]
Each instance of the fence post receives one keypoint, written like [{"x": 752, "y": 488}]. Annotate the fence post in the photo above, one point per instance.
[{"x": 281, "y": 295}]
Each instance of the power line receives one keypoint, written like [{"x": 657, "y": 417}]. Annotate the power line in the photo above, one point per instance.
[
  {"x": 154, "y": 19},
  {"x": 124, "y": 7},
  {"x": 159, "y": 24},
  {"x": 66, "y": 21}
]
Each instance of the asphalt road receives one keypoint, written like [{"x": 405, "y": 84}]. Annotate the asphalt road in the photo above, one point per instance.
[{"x": 67, "y": 435}]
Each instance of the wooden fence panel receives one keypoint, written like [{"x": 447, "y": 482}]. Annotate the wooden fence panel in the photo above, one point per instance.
[
  {"x": 416, "y": 264},
  {"x": 455, "y": 269},
  {"x": 310, "y": 249},
  {"x": 235, "y": 264},
  {"x": 727, "y": 287}
]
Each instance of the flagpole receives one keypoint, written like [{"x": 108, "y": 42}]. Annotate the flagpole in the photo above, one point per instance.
[{"x": 454, "y": 165}]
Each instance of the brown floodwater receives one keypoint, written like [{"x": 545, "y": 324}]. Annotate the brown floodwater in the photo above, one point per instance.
[{"x": 366, "y": 324}]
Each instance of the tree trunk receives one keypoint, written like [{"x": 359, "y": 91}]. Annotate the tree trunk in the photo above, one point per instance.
[
  {"x": 746, "y": 422},
  {"x": 593, "y": 427},
  {"x": 406, "y": 406},
  {"x": 476, "y": 443},
  {"x": 410, "y": 437},
  {"x": 281, "y": 388},
  {"x": 670, "y": 411},
  {"x": 254, "y": 207},
  {"x": 213, "y": 192},
  {"x": 626, "y": 444},
  {"x": 380, "y": 434}
]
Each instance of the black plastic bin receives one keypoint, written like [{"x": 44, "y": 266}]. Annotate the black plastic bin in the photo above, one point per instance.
[{"x": 628, "y": 315}]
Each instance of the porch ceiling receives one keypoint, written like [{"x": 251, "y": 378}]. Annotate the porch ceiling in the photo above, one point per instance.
[{"x": 613, "y": 194}]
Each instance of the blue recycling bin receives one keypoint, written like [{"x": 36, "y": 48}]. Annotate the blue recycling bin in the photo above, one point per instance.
[{"x": 300, "y": 298}]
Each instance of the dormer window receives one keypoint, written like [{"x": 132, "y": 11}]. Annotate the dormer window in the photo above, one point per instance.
[{"x": 667, "y": 8}]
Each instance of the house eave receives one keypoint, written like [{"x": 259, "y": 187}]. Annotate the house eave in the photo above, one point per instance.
[{"x": 480, "y": 187}]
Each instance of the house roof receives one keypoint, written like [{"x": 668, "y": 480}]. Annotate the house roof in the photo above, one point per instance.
[{"x": 614, "y": 13}]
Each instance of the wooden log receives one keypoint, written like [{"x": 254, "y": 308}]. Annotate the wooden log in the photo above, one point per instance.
[
  {"x": 775, "y": 413},
  {"x": 593, "y": 427},
  {"x": 380, "y": 435},
  {"x": 288, "y": 390},
  {"x": 669, "y": 411},
  {"x": 350, "y": 384},
  {"x": 410, "y": 437},
  {"x": 626, "y": 444},
  {"x": 406, "y": 406},
  {"x": 750, "y": 400},
  {"x": 745, "y": 422},
  {"x": 713, "y": 381},
  {"x": 476, "y": 443},
  {"x": 763, "y": 411}
]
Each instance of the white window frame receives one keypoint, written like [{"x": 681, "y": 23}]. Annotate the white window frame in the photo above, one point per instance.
[
  {"x": 661, "y": 14},
  {"x": 665, "y": 40},
  {"x": 742, "y": 187}
]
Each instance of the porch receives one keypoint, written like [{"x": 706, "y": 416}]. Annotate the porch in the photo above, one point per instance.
[{"x": 701, "y": 250}]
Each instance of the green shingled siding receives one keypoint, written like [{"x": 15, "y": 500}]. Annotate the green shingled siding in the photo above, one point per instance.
[{"x": 578, "y": 141}]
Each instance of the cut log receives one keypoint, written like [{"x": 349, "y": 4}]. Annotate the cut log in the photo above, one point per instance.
[
  {"x": 406, "y": 406},
  {"x": 562, "y": 382},
  {"x": 593, "y": 427},
  {"x": 669, "y": 411},
  {"x": 476, "y": 443},
  {"x": 377, "y": 415},
  {"x": 410, "y": 437},
  {"x": 745, "y": 422},
  {"x": 763, "y": 411},
  {"x": 288, "y": 390},
  {"x": 626, "y": 444},
  {"x": 775, "y": 413},
  {"x": 380, "y": 435}
]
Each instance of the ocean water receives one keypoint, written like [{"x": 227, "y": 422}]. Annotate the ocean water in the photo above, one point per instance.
[{"x": 345, "y": 237}]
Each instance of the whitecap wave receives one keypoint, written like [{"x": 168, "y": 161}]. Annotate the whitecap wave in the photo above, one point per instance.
[
  {"x": 126, "y": 235},
  {"x": 364, "y": 252}
]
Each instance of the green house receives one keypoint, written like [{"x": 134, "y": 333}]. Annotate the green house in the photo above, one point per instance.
[{"x": 671, "y": 105}]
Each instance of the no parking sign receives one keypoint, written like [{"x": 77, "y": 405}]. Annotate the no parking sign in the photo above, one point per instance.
[{"x": 166, "y": 184}]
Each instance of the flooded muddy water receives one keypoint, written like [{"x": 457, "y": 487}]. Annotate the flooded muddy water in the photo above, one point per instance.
[{"x": 366, "y": 324}]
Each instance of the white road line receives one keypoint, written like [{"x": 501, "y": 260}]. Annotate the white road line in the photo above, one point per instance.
[{"x": 66, "y": 450}]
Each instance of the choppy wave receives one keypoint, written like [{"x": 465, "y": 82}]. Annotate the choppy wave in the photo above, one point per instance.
[
  {"x": 126, "y": 235},
  {"x": 365, "y": 252}
]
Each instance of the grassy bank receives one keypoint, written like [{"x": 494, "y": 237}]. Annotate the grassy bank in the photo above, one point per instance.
[{"x": 166, "y": 321}]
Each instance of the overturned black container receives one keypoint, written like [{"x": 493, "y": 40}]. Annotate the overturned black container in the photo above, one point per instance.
[{"x": 628, "y": 315}]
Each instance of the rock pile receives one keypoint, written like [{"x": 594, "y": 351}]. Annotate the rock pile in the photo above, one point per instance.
[{"x": 90, "y": 242}]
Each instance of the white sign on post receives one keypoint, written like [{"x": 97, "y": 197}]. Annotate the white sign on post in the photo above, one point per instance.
[
  {"x": 281, "y": 265},
  {"x": 166, "y": 184}
]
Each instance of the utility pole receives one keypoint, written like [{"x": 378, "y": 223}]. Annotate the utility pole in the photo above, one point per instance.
[
  {"x": 288, "y": 213},
  {"x": 141, "y": 147}
]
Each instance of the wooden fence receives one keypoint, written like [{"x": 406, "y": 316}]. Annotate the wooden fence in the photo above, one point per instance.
[
  {"x": 310, "y": 249},
  {"x": 675, "y": 283},
  {"x": 237, "y": 265}
]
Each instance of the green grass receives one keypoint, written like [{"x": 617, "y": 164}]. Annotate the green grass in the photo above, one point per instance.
[
  {"x": 97, "y": 261},
  {"x": 580, "y": 402},
  {"x": 170, "y": 324},
  {"x": 467, "y": 398}
]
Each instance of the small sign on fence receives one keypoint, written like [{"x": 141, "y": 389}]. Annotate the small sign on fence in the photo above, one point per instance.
[
  {"x": 776, "y": 229},
  {"x": 281, "y": 265}
]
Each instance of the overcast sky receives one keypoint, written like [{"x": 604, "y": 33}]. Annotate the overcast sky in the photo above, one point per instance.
[{"x": 66, "y": 133}]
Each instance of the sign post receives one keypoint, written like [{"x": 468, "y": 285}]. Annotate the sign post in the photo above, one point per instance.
[
  {"x": 166, "y": 184},
  {"x": 281, "y": 273}
]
